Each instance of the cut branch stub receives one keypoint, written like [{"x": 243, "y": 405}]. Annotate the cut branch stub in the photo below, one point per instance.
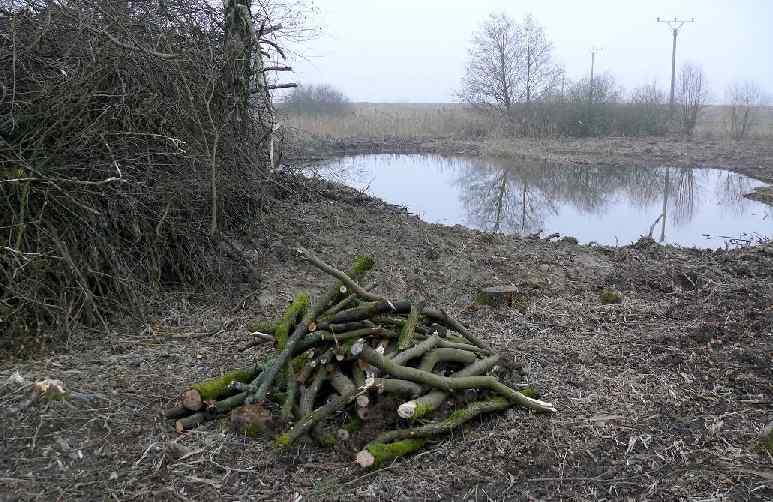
[
  {"x": 216, "y": 388},
  {"x": 376, "y": 454}
]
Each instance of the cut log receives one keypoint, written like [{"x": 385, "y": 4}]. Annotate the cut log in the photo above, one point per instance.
[
  {"x": 417, "y": 350},
  {"x": 450, "y": 384},
  {"x": 291, "y": 316},
  {"x": 435, "y": 356},
  {"x": 318, "y": 337},
  {"x": 431, "y": 401},
  {"x": 216, "y": 388},
  {"x": 305, "y": 424},
  {"x": 454, "y": 420},
  {"x": 376, "y": 454},
  {"x": 191, "y": 400}
]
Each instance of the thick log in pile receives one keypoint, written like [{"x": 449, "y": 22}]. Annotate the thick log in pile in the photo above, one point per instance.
[{"x": 343, "y": 355}]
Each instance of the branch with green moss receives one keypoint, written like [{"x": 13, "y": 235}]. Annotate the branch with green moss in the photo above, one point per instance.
[
  {"x": 361, "y": 266},
  {"x": 453, "y": 421},
  {"x": 377, "y": 454},
  {"x": 436, "y": 356},
  {"x": 306, "y": 423},
  {"x": 417, "y": 350},
  {"x": 290, "y": 318},
  {"x": 346, "y": 281},
  {"x": 408, "y": 332},
  {"x": 451, "y": 384},
  {"x": 216, "y": 388},
  {"x": 431, "y": 401},
  {"x": 320, "y": 337}
]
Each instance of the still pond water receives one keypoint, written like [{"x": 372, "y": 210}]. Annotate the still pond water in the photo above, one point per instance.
[{"x": 701, "y": 207}]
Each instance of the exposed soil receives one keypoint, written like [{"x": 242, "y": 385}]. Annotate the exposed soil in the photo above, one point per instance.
[{"x": 660, "y": 397}]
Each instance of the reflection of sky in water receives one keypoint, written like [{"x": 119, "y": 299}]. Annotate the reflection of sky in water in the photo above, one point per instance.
[{"x": 605, "y": 205}]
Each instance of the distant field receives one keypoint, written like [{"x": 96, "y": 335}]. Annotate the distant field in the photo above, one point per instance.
[
  {"x": 396, "y": 119},
  {"x": 452, "y": 120}
]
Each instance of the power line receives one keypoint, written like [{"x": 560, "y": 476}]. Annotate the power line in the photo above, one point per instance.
[{"x": 675, "y": 24}]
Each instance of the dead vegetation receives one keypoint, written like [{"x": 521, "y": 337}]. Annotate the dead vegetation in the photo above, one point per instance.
[
  {"x": 357, "y": 353},
  {"x": 126, "y": 155}
]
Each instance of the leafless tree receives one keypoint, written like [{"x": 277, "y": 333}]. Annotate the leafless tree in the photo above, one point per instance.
[
  {"x": 509, "y": 63},
  {"x": 492, "y": 72},
  {"x": 540, "y": 75},
  {"x": 745, "y": 100},
  {"x": 693, "y": 93}
]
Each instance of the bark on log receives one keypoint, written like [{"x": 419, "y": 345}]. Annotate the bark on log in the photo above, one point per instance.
[
  {"x": 290, "y": 318},
  {"x": 450, "y": 384},
  {"x": 319, "y": 337},
  {"x": 216, "y": 388},
  {"x": 421, "y": 330},
  {"x": 395, "y": 386},
  {"x": 305, "y": 424},
  {"x": 431, "y": 401},
  {"x": 368, "y": 310},
  {"x": 417, "y": 350},
  {"x": 309, "y": 394},
  {"x": 177, "y": 412},
  {"x": 435, "y": 356},
  {"x": 454, "y": 420},
  {"x": 341, "y": 383},
  {"x": 292, "y": 389},
  {"x": 376, "y": 454},
  {"x": 350, "y": 326}
]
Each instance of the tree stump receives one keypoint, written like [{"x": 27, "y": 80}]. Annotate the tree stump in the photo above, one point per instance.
[{"x": 496, "y": 295}]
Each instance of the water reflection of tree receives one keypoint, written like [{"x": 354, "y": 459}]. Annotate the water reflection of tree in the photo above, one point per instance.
[
  {"x": 519, "y": 196},
  {"x": 504, "y": 199}
]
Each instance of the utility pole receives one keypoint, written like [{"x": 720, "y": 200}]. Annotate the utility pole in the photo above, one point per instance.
[
  {"x": 593, "y": 52},
  {"x": 675, "y": 24}
]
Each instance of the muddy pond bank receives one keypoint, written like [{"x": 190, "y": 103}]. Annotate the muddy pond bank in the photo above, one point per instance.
[
  {"x": 753, "y": 158},
  {"x": 661, "y": 396},
  {"x": 700, "y": 207}
]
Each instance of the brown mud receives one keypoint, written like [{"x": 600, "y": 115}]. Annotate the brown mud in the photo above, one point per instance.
[{"x": 660, "y": 397}]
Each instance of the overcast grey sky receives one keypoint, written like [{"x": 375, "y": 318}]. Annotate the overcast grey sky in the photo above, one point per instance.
[{"x": 415, "y": 50}]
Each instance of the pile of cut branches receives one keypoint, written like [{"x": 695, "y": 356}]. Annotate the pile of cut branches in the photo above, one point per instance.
[{"x": 341, "y": 357}]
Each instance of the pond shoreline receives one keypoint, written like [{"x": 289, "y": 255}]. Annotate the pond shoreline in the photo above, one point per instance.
[
  {"x": 600, "y": 204},
  {"x": 752, "y": 158}
]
